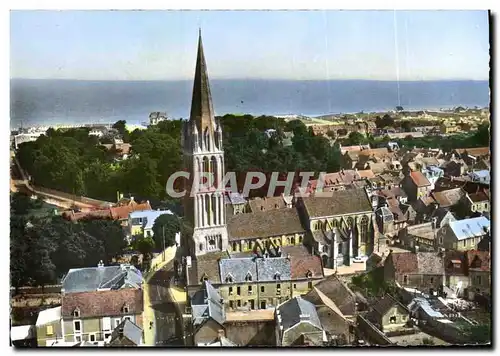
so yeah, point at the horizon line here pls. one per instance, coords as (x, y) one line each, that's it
(262, 79)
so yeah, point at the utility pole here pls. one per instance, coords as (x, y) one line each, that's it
(163, 229)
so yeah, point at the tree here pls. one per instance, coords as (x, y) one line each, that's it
(120, 126)
(330, 133)
(355, 138)
(342, 132)
(110, 233)
(145, 245)
(22, 204)
(406, 126)
(165, 226)
(399, 108)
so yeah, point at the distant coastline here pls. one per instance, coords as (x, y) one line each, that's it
(36, 102)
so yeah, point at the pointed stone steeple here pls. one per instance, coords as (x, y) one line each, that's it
(202, 113)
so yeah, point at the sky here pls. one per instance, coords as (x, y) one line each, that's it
(292, 45)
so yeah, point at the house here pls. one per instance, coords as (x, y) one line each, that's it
(333, 290)
(448, 198)
(385, 221)
(236, 202)
(432, 173)
(127, 333)
(482, 176)
(49, 326)
(442, 217)
(456, 267)
(340, 225)
(472, 155)
(295, 318)
(476, 202)
(455, 168)
(464, 234)
(101, 278)
(388, 314)
(92, 316)
(420, 237)
(416, 185)
(479, 264)
(208, 315)
(157, 117)
(420, 270)
(142, 222)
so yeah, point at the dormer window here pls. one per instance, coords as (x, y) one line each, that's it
(125, 309)
(76, 313)
(229, 278)
(277, 276)
(248, 277)
(309, 274)
(204, 277)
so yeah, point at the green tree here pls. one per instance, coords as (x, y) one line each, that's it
(164, 229)
(355, 138)
(22, 204)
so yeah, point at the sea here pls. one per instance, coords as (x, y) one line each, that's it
(50, 102)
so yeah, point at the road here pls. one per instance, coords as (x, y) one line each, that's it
(166, 327)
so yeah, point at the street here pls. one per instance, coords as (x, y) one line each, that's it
(166, 325)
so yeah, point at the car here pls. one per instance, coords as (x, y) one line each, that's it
(360, 259)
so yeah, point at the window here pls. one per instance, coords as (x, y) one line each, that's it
(125, 309)
(248, 277)
(117, 322)
(78, 338)
(76, 313)
(262, 304)
(478, 279)
(278, 288)
(249, 245)
(405, 279)
(231, 304)
(310, 285)
(234, 246)
(229, 279)
(127, 318)
(77, 326)
(277, 276)
(92, 337)
(50, 330)
(325, 249)
(300, 239)
(106, 335)
(295, 286)
(309, 274)
(200, 247)
(238, 302)
(432, 279)
(230, 290)
(464, 243)
(249, 289)
(262, 289)
(149, 233)
(238, 290)
(392, 320)
(293, 240)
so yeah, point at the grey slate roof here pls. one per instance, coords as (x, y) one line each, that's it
(267, 268)
(261, 269)
(130, 330)
(237, 269)
(94, 278)
(386, 214)
(292, 310)
(212, 306)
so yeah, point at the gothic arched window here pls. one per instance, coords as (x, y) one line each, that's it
(363, 227)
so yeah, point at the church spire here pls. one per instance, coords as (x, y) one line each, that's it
(202, 113)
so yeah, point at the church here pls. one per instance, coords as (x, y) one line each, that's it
(256, 260)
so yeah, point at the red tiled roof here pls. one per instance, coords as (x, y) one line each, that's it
(405, 262)
(419, 179)
(103, 303)
(476, 151)
(121, 212)
(95, 214)
(300, 265)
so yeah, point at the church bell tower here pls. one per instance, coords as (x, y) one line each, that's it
(202, 147)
